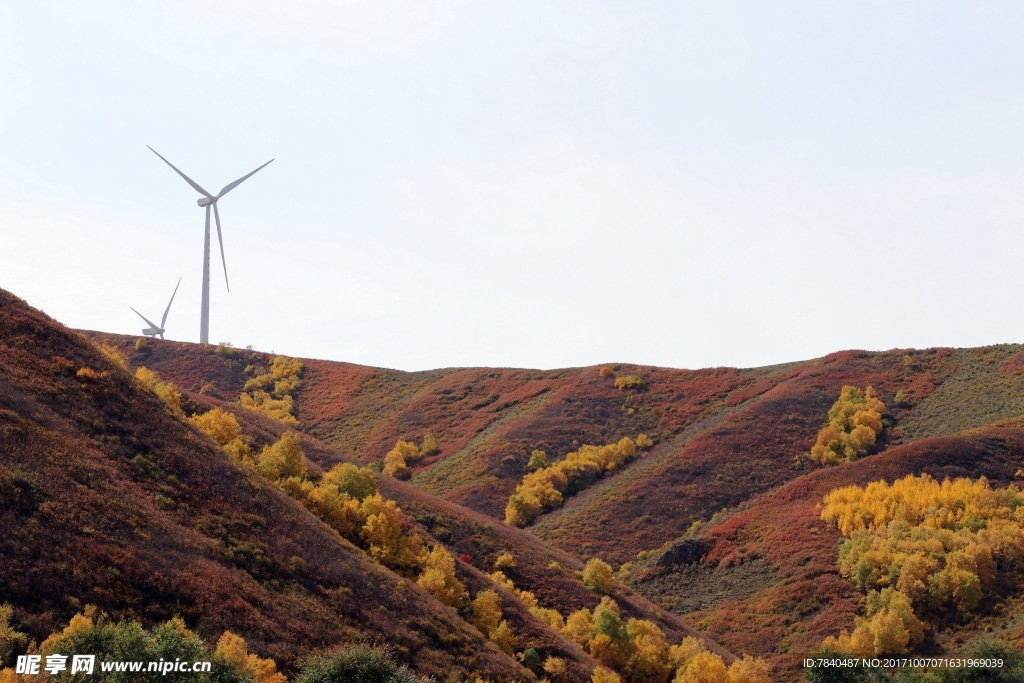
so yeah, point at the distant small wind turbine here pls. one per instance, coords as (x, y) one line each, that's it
(208, 200)
(153, 330)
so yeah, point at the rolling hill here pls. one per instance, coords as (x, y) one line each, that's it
(106, 498)
(758, 574)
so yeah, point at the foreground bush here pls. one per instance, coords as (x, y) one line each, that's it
(357, 664)
(91, 633)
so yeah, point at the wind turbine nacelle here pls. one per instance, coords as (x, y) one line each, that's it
(205, 201)
(152, 331)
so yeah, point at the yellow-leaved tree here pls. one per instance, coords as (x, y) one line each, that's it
(397, 460)
(223, 428)
(703, 667)
(236, 653)
(504, 637)
(282, 460)
(10, 639)
(854, 423)
(603, 675)
(384, 538)
(352, 480)
(598, 576)
(486, 611)
(438, 577)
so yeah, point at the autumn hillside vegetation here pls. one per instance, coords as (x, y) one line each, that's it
(271, 391)
(396, 462)
(719, 523)
(111, 497)
(546, 487)
(854, 424)
(923, 551)
(94, 633)
(631, 649)
(347, 500)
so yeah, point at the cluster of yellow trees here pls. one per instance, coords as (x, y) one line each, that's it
(91, 632)
(545, 488)
(921, 544)
(222, 427)
(854, 423)
(281, 462)
(346, 499)
(636, 650)
(271, 392)
(396, 462)
(486, 616)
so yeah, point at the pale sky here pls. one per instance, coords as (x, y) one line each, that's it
(536, 184)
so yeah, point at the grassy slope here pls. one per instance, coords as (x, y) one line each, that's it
(726, 460)
(486, 421)
(986, 386)
(106, 498)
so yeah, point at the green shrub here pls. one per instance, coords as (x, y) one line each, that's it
(538, 460)
(357, 664)
(128, 641)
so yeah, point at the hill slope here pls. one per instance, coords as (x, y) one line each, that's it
(107, 498)
(767, 579)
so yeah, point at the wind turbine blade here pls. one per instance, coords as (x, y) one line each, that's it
(228, 188)
(187, 179)
(216, 214)
(148, 321)
(168, 309)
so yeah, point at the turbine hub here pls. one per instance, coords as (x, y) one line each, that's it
(205, 201)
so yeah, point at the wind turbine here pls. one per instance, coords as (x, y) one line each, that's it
(208, 200)
(154, 329)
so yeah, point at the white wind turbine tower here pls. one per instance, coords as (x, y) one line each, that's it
(208, 200)
(153, 330)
